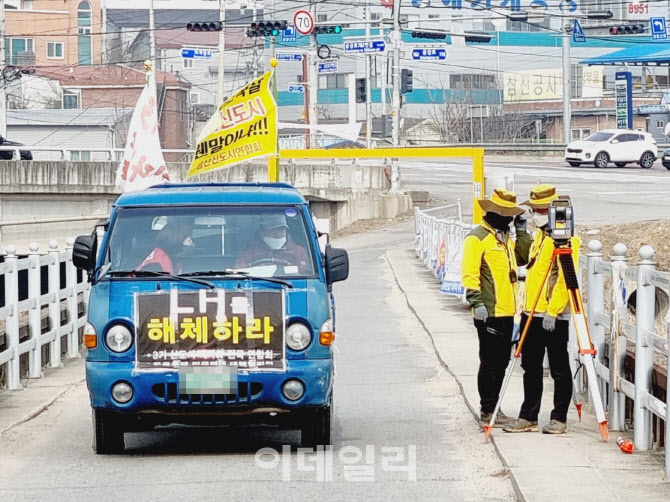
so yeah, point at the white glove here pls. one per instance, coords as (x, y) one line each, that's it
(549, 323)
(481, 313)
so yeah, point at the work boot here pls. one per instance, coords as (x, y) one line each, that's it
(501, 419)
(522, 425)
(555, 427)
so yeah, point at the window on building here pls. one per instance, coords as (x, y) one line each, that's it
(322, 18)
(579, 133)
(84, 30)
(27, 4)
(70, 100)
(375, 16)
(195, 98)
(55, 50)
(660, 124)
(21, 51)
(532, 25)
(472, 81)
(188, 63)
(79, 156)
(433, 16)
(334, 81)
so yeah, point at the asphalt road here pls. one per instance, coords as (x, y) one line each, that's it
(600, 196)
(390, 392)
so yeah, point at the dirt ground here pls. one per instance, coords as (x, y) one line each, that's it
(634, 235)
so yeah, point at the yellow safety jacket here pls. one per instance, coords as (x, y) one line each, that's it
(487, 268)
(553, 298)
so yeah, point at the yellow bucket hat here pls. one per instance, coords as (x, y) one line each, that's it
(502, 202)
(541, 197)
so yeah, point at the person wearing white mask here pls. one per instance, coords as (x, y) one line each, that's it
(273, 245)
(549, 327)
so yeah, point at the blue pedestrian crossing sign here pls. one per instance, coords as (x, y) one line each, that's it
(659, 30)
(578, 36)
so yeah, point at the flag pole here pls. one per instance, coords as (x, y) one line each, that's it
(273, 160)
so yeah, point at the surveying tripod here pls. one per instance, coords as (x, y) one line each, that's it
(561, 234)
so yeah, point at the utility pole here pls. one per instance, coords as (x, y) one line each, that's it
(368, 82)
(254, 58)
(222, 50)
(313, 78)
(103, 28)
(567, 87)
(383, 83)
(395, 169)
(273, 42)
(152, 36)
(3, 88)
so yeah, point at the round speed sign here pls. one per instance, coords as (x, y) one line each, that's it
(303, 22)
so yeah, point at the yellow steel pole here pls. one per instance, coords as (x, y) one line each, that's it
(478, 184)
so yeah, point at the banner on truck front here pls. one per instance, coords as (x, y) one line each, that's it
(243, 128)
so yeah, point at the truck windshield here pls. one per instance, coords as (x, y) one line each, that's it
(263, 241)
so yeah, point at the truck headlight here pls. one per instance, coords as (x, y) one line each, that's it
(298, 336)
(119, 338)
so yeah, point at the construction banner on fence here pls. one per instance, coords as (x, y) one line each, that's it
(244, 127)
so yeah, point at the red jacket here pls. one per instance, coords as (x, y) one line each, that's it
(290, 253)
(160, 257)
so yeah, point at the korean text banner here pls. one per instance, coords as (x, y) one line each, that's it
(241, 329)
(244, 127)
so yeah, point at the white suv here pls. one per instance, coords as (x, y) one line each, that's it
(621, 146)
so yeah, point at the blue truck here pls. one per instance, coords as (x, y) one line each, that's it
(210, 304)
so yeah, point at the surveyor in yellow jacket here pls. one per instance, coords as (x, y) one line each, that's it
(489, 275)
(549, 327)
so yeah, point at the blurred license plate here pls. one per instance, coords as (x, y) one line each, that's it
(207, 380)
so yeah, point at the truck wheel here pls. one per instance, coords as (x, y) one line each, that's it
(107, 433)
(317, 428)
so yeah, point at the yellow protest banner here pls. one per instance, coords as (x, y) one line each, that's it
(244, 127)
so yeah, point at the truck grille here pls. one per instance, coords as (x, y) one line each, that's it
(247, 392)
(574, 150)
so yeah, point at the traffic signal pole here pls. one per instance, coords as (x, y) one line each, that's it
(152, 36)
(567, 87)
(313, 79)
(395, 169)
(368, 82)
(222, 50)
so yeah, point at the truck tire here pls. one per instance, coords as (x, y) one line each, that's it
(107, 433)
(317, 428)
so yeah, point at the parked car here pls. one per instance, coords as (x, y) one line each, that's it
(9, 154)
(666, 159)
(620, 146)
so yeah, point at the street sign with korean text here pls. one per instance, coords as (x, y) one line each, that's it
(578, 33)
(287, 56)
(623, 92)
(296, 88)
(303, 22)
(329, 66)
(429, 54)
(365, 46)
(659, 30)
(288, 35)
(196, 53)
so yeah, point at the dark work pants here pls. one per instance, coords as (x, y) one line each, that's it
(495, 345)
(532, 355)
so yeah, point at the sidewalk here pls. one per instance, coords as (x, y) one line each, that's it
(572, 466)
(19, 406)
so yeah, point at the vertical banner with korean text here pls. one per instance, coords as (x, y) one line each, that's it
(244, 127)
(143, 164)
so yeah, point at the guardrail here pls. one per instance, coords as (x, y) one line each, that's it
(59, 292)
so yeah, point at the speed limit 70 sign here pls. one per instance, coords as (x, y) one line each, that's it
(303, 22)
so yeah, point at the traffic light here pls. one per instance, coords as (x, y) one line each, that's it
(406, 81)
(327, 30)
(477, 37)
(429, 34)
(266, 28)
(361, 94)
(208, 26)
(628, 29)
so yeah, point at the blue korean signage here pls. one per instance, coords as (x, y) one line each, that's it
(297, 88)
(511, 5)
(364, 47)
(578, 33)
(429, 54)
(285, 56)
(288, 35)
(623, 92)
(196, 53)
(659, 30)
(327, 66)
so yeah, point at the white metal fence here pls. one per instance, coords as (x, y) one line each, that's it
(24, 302)
(633, 397)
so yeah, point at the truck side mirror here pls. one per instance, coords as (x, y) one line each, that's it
(85, 252)
(337, 264)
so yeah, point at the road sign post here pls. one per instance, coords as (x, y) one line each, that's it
(429, 54)
(205, 54)
(365, 46)
(327, 66)
(659, 30)
(303, 22)
(288, 35)
(288, 56)
(296, 88)
(623, 91)
(578, 36)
